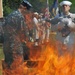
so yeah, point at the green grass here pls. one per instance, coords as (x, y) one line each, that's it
(1, 57)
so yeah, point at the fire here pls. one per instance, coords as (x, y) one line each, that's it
(50, 63)
(44, 60)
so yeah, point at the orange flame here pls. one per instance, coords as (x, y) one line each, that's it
(44, 60)
(50, 63)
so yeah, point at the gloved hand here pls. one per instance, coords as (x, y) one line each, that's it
(66, 21)
(69, 22)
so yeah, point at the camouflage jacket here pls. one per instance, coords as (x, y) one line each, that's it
(13, 28)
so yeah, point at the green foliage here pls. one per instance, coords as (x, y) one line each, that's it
(1, 57)
(7, 10)
(38, 5)
(10, 5)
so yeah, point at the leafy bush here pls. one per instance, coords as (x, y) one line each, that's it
(7, 10)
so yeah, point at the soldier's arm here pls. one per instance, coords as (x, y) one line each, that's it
(53, 20)
(71, 22)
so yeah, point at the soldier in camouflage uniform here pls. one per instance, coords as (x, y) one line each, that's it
(14, 28)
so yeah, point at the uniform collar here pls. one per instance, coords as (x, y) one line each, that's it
(66, 15)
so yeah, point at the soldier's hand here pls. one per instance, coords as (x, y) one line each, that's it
(65, 20)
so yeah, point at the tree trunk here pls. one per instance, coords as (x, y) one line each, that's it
(1, 9)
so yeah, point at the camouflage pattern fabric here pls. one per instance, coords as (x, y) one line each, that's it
(13, 28)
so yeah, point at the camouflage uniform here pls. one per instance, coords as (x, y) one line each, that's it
(13, 28)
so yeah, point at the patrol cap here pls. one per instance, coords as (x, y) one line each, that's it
(65, 3)
(25, 3)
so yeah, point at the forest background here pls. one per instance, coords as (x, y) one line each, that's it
(38, 5)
